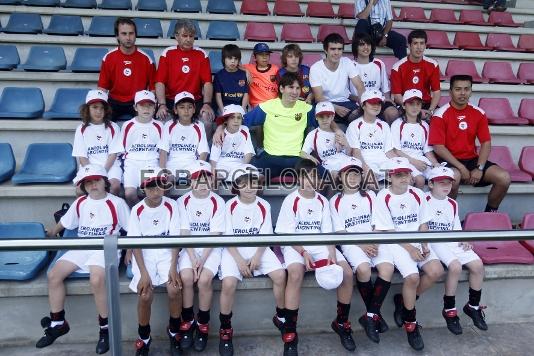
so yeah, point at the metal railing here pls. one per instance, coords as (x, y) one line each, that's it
(112, 243)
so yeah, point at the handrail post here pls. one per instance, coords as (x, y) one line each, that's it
(113, 292)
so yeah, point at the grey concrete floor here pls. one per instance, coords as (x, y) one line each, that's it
(501, 339)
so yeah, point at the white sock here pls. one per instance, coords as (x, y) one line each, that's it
(472, 306)
(370, 315)
(172, 334)
(283, 320)
(56, 323)
(146, 340)
(103, 326)
(446, 310)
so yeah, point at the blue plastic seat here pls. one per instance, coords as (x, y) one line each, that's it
(80, 4)
(222, 30)
(66, 103)
(76, 274)
(7, 162)
(116, 4)
(24, 23)
(150, 53)
(47, 163)
(102, 26)
(215, 58)
(148, 28)
(186, 6)
(40, 2)
(221, 7)
(88, 59)
(9, 57)
(9, 2)
(21, 103)
(172, 24)
(65, 25)
(45, 59)
(152, 5)
(23, 265)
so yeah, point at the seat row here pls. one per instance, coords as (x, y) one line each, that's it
(448, 16)
(472, 41)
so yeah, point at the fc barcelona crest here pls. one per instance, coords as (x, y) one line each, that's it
(241, 83)
(273, 78)
(298, 116)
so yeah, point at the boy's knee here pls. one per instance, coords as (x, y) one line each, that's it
(412, 280)
(363, 272)
(455, 268)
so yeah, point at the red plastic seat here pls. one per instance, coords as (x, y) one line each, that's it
(487, 221)
(500, 72)
(255, 7)
(470, 41)
(502, 156)
(501, 42)
(499, 112)
(463, 67)
(444, 100)
(287, 8)
(325, 30)
(443, 16)
(526, 42)
(296, 32)
(346, 11)
(413, 14)
(275, 58)
(526, 110)
(403, 31)
(526, 161)
(320, 9)
(502, 19)
(526, 72)
(438, 39)
(260, 31)
(310, 58)
(472, 17)
(528, 224)
(389, 61)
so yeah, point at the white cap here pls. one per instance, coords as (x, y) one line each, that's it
(372, 96)
(244, 170)
(328, 276)
(144, 96)
(233, 109)
(324, 107)
(151, 174)
(95, 95)
(396, 165)
(352, 163)
(411, 94)
(90, 172)
(440, 173)
(184, 95)
(198, 168)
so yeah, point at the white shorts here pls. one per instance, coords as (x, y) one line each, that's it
(374, 164)
(404, 262)
(212, 262)
(450, 251)
(317, 253)
(426, 172)
(132, 171)
(182, 169)
(115, 172)
(157, 264)
(355, 256)
(85, 259)
(268, 263)
(338, 161)
(228, 170)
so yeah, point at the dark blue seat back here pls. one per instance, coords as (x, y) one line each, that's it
(102, 26)
(45, 58)
(222, 30)
(88, 59)
(186, 6)
(66, 103)
(65, 25)
(148, 28)
(21, 103)
(9, 57)
(24, 23)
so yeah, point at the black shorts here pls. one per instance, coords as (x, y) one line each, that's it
(121, 111)
(471, 164)
(385, 105)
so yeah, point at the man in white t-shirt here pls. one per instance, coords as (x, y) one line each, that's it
(329, 79)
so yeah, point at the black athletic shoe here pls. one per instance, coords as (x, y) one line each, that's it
(479, 319)
(382, 325)
(200, 339)
(102, 346)
(176, 348)
(345, 334)
(370, 325)
(397, 314)
(278, 324)
(142, 349)
(453, 322)
(51, 334)
(187, 330)
(226, 348)
(414, 336)
(291, 341)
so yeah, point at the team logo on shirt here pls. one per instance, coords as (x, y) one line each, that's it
(403, 206)
(412, 135)
(127, 72)
(354, 206)
(247, 219)
(439, 212)
(234, 145)
(310, 211)
(99, 138)
(127, 62)
(462, 125)
(298, 116)
(185, 59)
(144, 136)
(273, 78)
(198, 213)
(306, 89)
(185, 69)
(155, 222)
(241, 83)
(91, 215)
(327, 140)
(415, 80)
(461, 117)
(182, 138)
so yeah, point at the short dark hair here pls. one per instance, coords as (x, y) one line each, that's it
(229, 51)
(124, 21)
(287, 79)
(460, 77)
(332, 38)
(305, 166)
(292, 47)
(417, 34)
(362, 37)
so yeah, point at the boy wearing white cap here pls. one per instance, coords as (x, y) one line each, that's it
(97, 139)
(140, 137)
(454, 254)
(305, 211)
(247, 214)
(401, 207)
(236, 151)
(96, 214)
(410, 137)
(204, 212)
(184, 140)
(156, 215)
(370, 137)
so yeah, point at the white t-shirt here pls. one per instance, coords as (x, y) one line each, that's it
(160, 221)
(404, 212)
(234, 148)
(248, 219)
(323, 143)
(97, 218)
(374, 140)
(299, 215)
(140, 140)
(374, 75)
(203, 215)
(97, 142)
(444, 213)
(335, 84)
(353, 212)
(183, 143)
(411, 138)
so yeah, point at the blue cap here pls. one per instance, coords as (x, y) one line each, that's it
(261, 48)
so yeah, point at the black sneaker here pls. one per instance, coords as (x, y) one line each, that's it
(370, 325)
(291, 341)
(479, 319)
(102, 346)
(397, 314)
(176, 348)
(200, 339)
(141, 349)
(51, 334)
(453, 322)
(414, 336)
(187, 328)
(226, 348)
(345, 334)
(278, 324)
(382, 325)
